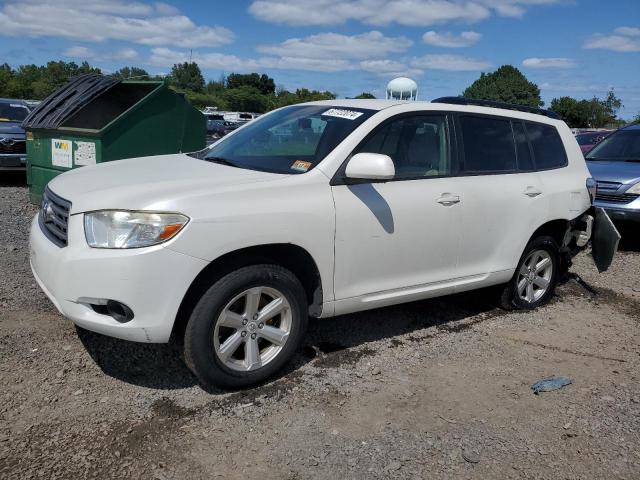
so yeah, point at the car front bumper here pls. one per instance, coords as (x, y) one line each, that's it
(13, 161)
(628, 212)
(151, 281)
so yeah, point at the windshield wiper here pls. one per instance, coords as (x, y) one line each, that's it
(221, 161)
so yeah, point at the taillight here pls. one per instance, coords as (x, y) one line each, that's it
(592, 187)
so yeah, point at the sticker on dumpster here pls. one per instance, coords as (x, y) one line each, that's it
(85, 153)
(61, 153)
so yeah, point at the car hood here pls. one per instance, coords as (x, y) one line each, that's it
(12, 129)
(164, 182)
(623, 172)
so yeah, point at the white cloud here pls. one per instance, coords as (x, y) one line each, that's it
(389, 68)
(98, 21)
(164, 57)
(333, 45)
(628, 31)
(385, 12)
(624, 39)
(79, 52)
(549, 62)
(450, 40)
(454, 63)
(85, 53)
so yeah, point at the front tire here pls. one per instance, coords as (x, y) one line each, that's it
(246, 326)
(536, 276)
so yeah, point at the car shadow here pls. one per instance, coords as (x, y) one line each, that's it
(630, 241)
(13, 179)
(329, 343)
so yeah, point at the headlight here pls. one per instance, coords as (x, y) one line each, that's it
(635, 189)
(118, 229)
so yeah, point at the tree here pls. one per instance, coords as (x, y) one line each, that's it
(365, 95)
(247, 99)
(187, 76)
(507, 84)
(132, 72)
(263, 83)
(593, 113)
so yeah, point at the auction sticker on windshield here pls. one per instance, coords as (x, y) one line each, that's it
(301, 165)
(61, 153)
(340, 113)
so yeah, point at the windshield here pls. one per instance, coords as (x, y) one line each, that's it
(588, 138)
(292, 140)
(621, 146)
(13, 112)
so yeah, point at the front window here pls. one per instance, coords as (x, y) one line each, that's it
(13, 112)
(416, 144)
(622, 146)
(292, 140)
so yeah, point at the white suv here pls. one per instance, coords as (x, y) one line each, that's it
(319, 209)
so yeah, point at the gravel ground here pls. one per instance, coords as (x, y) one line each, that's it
(437, 389)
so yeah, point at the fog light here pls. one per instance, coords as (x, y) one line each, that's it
(119, 311)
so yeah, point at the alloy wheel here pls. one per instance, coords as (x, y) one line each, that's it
(252, 328)
(534, 276)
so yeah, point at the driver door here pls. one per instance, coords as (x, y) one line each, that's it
(398, 241)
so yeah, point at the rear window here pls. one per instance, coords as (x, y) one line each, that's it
(488, 145)
(548, 149)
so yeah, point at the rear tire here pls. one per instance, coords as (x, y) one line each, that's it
(536, 276)
(246, 326)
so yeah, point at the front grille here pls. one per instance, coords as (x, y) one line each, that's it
(54, 217)
(607, 197)
(12, 146)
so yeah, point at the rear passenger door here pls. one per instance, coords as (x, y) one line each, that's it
(502, 196)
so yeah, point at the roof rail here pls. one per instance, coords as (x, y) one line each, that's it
(493, 104)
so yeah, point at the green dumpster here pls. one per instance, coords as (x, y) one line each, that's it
(95, 119)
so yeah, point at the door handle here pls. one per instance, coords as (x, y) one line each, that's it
(447, 199)
(532, 192)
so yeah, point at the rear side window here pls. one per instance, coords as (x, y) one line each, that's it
(488, 145)
(525, 161)
(548, 149)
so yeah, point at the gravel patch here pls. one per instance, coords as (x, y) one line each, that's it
(437, 389)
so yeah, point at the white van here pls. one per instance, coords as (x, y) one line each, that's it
(318, 209)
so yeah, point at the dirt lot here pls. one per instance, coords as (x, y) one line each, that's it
(433, 389)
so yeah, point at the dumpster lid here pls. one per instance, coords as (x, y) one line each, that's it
(66, 101)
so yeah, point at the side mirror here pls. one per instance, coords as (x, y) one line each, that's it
(370, 166)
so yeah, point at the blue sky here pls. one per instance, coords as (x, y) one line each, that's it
(579, 48)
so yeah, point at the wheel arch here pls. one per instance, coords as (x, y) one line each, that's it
(287, 255)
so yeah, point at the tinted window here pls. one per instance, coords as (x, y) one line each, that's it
(14, 112)
(623, 145)
(417, 145)
(488, 145)
(547, 146)
(525, 162)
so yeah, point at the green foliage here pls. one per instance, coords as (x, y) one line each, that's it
(36, 82)
(593, 113)
(132, 73)
(187, 76)
(507, 84)
(264, 84)
(366, 95)
(243, 92)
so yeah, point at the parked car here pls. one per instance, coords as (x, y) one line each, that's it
(588, 140)
(615, 164)
(13, 152)
(220, 128)
(378, 203)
